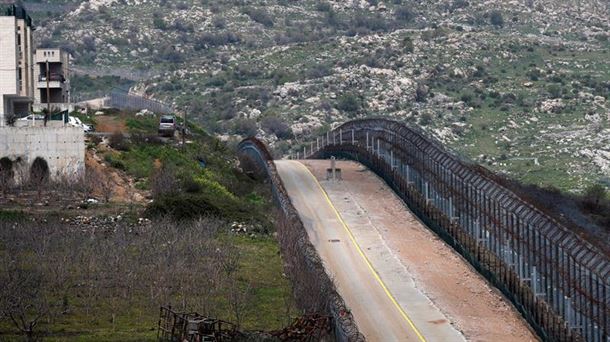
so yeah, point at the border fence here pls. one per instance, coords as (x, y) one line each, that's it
(557, 280)
(313, 289)
(123, 100)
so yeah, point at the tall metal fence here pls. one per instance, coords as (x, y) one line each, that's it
(558, 281)
(313, 288)
(122, 100)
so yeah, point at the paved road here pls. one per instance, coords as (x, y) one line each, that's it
(377, 313)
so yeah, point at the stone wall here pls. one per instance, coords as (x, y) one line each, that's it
(61, 148)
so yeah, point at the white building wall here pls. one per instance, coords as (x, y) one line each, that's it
(55, 55)
(63, 148)
(8, 62)
(31, 65)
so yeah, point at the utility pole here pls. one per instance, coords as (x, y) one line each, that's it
(48, 114)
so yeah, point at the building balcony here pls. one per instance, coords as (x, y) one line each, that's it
(53, 77)
(52, 85)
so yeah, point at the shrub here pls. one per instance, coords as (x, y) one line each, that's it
(158, 22)
(332, 19)
(369, 22)
(260, 16)
(425, 119)
(118, 141)
(181, 206)
(554, 90)
(349, 103)
(170, 54)
(190, 185)
(89, 44)
(216, 39)
(421, 93)
(496, 19)
(404, 14)
(323, 6)
(457, 4)
(408, 45)
(277, 126)
(534, 74)
(219, 23)
(10, 119)
(245, 127)
(115, 163)
(480, 72)
(163, 182)
(319, 70)
(467, 96)
(594, 197)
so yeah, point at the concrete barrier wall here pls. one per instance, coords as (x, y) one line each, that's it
(62, 148)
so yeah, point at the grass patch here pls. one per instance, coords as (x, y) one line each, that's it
(12, 215)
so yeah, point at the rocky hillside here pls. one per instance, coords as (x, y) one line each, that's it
(522, 86)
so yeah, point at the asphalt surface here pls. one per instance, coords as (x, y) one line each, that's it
(382, 313)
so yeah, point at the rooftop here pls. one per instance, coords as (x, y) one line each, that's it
(12, 10)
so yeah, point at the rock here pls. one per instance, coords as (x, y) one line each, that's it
(145, 112)
(552, 106)
(593, 117)
(457, 73)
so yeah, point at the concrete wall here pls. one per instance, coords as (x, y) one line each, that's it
(63, 148)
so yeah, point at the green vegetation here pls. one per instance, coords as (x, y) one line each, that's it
(12, 215)
(88, 87)
(349, 103)
(187, 181)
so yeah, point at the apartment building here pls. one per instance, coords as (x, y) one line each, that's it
(51, 73)
(16, 62)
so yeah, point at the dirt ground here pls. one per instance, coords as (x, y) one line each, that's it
(109, 124)
(475, 308)
(109, 180)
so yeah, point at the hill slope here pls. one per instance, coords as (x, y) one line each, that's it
(520, 86)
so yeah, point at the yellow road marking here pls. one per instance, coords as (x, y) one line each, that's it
(366, 260)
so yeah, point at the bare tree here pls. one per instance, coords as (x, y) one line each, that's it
(163, 181)
(23, 299)
(110, 265)
(99, 184)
